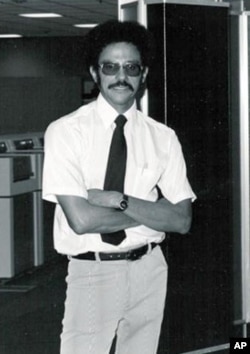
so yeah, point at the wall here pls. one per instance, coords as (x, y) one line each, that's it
(41, 79)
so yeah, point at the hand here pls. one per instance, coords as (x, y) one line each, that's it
(108, 199)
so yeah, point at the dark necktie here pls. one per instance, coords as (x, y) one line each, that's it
(115, 172)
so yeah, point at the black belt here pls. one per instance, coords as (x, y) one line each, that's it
(131, 255)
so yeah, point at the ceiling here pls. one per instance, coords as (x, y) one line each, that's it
(73, 12)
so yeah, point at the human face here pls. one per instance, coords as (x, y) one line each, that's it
(119, 89)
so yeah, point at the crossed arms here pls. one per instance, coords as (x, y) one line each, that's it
(99, 214)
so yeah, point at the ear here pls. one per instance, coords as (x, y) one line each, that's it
(93, 74)
(144, 74)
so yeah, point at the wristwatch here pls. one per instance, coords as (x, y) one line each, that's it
(123, 203)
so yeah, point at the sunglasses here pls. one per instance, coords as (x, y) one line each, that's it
(131, 69)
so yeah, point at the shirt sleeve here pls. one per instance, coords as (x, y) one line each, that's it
(174, 183)
(62, 173)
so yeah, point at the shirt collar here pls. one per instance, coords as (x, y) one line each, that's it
(108, 114)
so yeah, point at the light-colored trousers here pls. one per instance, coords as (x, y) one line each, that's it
(108, 298)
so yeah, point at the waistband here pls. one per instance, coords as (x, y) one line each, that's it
(131, 255)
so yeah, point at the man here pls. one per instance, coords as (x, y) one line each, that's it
(110, 224)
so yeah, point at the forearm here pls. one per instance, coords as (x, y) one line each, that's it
(104, 220)
(84, 217)
(160, 215)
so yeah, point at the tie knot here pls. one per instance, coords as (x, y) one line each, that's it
(121, 121)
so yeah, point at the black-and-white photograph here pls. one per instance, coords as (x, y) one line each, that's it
(124, 177)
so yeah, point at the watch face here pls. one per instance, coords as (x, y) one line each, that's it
(123, 204)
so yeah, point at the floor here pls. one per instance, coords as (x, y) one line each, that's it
(31, 309)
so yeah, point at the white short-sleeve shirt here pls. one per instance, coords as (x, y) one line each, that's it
(76, 154)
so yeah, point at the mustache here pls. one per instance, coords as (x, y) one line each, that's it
(121, 84)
